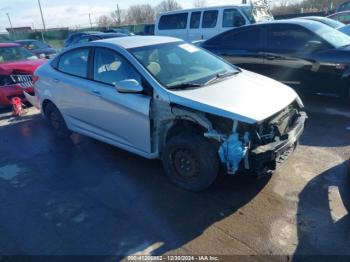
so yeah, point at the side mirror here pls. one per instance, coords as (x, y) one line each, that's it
(129, 86)
(314, 45)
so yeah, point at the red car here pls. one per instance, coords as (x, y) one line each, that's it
(17, 66)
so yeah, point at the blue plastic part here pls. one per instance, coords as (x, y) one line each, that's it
(232, 152)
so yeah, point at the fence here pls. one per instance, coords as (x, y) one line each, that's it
(56, 37)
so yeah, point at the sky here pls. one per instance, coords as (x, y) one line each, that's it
(71, 13)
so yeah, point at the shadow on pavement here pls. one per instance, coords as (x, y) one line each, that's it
(323, 216)
(83, 197)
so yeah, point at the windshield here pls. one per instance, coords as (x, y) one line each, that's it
(331, 35)
(33, 45)
(15, 53)
(181, 64)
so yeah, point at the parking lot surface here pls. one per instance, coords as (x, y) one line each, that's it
(83, 197)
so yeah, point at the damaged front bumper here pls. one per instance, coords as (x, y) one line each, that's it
(266, 158)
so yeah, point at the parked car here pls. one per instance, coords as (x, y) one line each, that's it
(343, 17)
(307, 55)
(343, 7)
(119, 30)
(161, 97)
(74, 36)
(17, 65)
(327, 21)
(204, 23)
(40, 49)
(83, 38)
(147, 30)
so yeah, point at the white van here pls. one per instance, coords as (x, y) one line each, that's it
(204, 23)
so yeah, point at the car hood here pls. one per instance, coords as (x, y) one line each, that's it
(25, 66)
(246, 97)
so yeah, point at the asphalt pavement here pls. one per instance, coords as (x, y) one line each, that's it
(83, 197)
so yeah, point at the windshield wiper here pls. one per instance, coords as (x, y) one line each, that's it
(185, 85)
(221, 75)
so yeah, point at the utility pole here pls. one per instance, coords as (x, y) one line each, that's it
(90, 20)
(42, 17)
(244, 1)
(13, 31)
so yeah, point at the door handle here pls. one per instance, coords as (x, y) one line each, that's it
(270, 57)
(56, 80)
(96, 92)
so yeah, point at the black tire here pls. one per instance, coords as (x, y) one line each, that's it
(191, 162)
(56, 121)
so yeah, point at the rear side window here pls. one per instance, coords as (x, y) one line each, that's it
(250, 39)
(286, 39)
(210, 19)
(74, 62)
(195, 19)
(175, 21)
(232, 18)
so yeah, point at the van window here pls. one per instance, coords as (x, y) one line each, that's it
(210, 19)
(232, 18)
(175, 21)
(195, 19)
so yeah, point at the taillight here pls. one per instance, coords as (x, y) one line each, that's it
(35, 79)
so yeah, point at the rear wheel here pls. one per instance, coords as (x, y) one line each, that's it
(56, 121)
(191, 162)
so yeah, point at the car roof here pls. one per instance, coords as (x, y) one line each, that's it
(107, 34)
(139, 41)
(8, 44)
(204, 8)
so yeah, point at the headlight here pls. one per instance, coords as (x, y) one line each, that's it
(6, 80)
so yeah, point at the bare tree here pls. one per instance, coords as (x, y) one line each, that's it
(168, 5)
(140, 14)
(104, 21)
(200, 3)
(118, 16)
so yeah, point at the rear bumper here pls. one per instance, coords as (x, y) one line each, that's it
(268, 157)
(8, 92)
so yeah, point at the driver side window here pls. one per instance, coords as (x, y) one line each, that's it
(111, 68)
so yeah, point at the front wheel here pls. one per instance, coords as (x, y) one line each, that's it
(191, 162)
(56, 121)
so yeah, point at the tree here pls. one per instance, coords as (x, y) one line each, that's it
(168, 5)
(140, 14)
(118, 16)
(104, 21)
(200, 3)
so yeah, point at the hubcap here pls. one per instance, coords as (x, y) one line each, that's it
(185, 163)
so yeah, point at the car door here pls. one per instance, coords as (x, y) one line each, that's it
(194, 31)
(69, 86)
(232, 18)
(241, 47)
(173, 25)
(286, 57)
(210, 25)
(117, 117)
